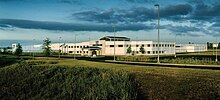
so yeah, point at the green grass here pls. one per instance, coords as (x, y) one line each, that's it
(24, 81)
(151, 82)
(164, 82)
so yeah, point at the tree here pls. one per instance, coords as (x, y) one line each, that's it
(142, 50)
(46, 47)
(218, 45)
(129, 50)
(209, 45)
(18, 50)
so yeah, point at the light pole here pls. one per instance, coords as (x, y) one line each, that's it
(75, 48)
(59, 46)
(158, 41)
(216, 59)
(175, 46)
(114, 42)
(33, 47)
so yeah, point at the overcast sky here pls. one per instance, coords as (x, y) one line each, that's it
(195, 21)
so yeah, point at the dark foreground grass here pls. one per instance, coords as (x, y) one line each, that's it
(24, 81)
(80, 79)
(164, 82)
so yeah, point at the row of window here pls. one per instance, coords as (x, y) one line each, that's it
(79, 52)
(77, 46)
(83, 46)
(150, 52)
(148, 45)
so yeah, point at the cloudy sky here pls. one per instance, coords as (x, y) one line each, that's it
(195, 21)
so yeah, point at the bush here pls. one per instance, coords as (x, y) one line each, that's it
(23, 81)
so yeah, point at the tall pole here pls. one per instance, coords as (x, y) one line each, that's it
(114, 42)
(33, 47)
(59, 46)
(175, 46)
(158, 41)
(216, 59)
(75, 48)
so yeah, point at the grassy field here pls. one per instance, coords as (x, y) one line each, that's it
(199, 58)
(27, 81)
(152, 82)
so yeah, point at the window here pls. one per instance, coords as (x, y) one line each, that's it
(148, 52)
(120, 45)
(77, 52)
(127, 45)
(111, 45)
(156, 52)
(159, 45)
(74, 46)
(70, 51)
(165, 45)
(137, 45)
(156, 45)
(84, 52)
(153, 45)
(142, 45)
(80, 46)
(77, 46)
(153, 52)
(71, 46)
(148, 45)
(162, 45)
(137, 52)
(87, 51)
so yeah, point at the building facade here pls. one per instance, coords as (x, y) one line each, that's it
(107, 46)
(191, 48)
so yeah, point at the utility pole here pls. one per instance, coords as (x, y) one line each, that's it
(175, 46)
(114, 42)
(33, 47)
(216, 59)
(158, 44)
(75, 48)
(59, 46)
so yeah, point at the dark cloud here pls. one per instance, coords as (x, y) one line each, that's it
(137, 14)
(184, 30)
(204, 12)
(9, 0)
(28, 24)
(176, 10)
(78, 2)
(139, 1)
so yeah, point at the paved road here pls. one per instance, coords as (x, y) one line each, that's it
(214, 67)
(108, 59)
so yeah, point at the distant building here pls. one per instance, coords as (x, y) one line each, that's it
(105, 46)
(191, 48)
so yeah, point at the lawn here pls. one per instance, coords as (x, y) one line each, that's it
(153, 82)
(163, 82)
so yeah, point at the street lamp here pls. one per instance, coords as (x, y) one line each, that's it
(158, 41)
(33, 47)
(216, 59)
(175, 46)
(75, 48)
(59, 46)
(114, 41)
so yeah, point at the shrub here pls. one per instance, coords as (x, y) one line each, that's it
(23, 81)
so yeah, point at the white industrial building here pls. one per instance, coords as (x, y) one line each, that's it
(191, 48)
(105, 46)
